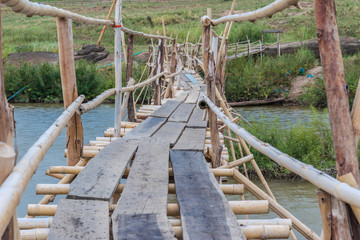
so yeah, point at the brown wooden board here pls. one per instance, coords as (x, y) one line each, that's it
(166, 110)
(80, 219)
(146, 129)
(101, 176)
(205, 212)
(192, 139)
(170, 131)
(193, 95)
(141, 209)
(182, 113)
(196, 119)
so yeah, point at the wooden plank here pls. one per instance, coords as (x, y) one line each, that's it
(192, 139)
(146, 129)
(170, 131)
(80, 219)
(182, 113)
(141, 211)
(182, 96)
(102, 174)
(196, 119)
(205, 212)
(166, 110)
(191, 78)
(194, 95)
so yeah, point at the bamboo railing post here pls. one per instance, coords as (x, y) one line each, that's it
(208, 61)
(159, 69)
(170, 90)
(118, 77)
(337, 100)
(7, 153)
(129, 70)
(325, 212)
(74, 129)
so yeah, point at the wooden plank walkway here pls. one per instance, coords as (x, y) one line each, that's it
(171, 131)
(141, 211)
(166, 110)
(102, 174)
(205, 212)
(192, 139)
(182, 113)
(196, 119)
(81, 219)
(146, 129)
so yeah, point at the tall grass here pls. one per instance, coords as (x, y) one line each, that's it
(254, 79)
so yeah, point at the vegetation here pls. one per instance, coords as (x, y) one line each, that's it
(310, 143)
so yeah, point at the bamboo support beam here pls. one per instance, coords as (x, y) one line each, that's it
(63, 189)
(237, 162)
(74, 129)
(238, 207)
(14, 186)
(77, 170)
(29, 223)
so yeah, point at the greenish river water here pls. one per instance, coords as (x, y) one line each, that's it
(33, 119)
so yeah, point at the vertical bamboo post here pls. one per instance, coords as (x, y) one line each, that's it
(338, 104)
(159, 69)
(278, 44)
(129, 70)
(74, 129)
(117, 60)
(7, 153)
(208, 61)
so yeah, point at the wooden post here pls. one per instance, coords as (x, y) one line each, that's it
(74, 129)
(129, 70)
(223, 70)
(325, 211)
(209, 71)
(159, 69)
(117, 60)
(338, 104)
(209, 14)
(173, 69)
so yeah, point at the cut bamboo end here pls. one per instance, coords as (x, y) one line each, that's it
(29, 223)
(34, 234)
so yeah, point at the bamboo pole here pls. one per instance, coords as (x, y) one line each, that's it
(341, 191)
(238, 207)
(238, 162)
(124, 46)
(208, 61)
(14, 186)
(129, 70)
(104, 28)
(338, 104)
(170, 92)
(61, 189)
(126, 101)
(159, 68)
(118, 74)
(276, 207)
(166, 50)
(29, 223)
(74, 129)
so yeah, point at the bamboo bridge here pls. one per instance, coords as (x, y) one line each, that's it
(160, 172)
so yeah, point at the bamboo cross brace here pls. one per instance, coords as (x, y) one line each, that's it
(107, 18)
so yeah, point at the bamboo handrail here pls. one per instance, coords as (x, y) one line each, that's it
(14, 186)
(145, 35)
(31, 8)
(266, 11)
(341, 191)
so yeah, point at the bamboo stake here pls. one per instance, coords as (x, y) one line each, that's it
(107, 18)
(118, 80)
(74, 130)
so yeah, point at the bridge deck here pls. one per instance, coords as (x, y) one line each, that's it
(141, 210)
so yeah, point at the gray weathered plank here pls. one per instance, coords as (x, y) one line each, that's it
(166, 110)
(205, 212)
(141, 209)
(193, 95)
(196, 119)
(146, 129)
(102, 174)
(182, 96)
(182, 113)
(192, 139)
(80, 219)
(170, 131)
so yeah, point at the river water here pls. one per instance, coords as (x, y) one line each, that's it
(33, 119)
